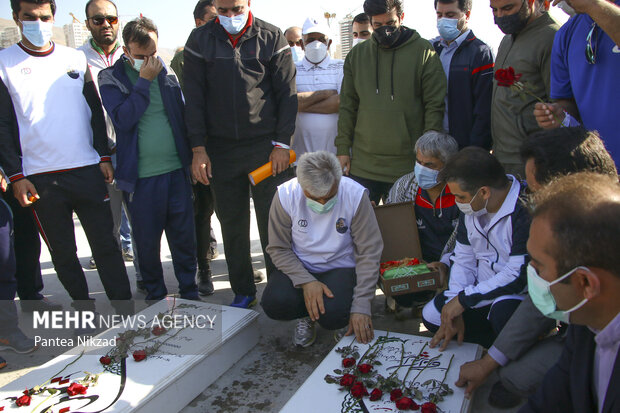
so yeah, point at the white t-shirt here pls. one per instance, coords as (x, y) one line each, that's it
(52, 113)
(316, 131)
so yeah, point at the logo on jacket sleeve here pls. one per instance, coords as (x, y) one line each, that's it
(341, 226)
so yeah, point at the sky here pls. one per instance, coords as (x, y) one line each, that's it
(175, 22)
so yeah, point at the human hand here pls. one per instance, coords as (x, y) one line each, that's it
(3, 183)
(447, 331)
(313, 297)
(361, 326)
(201, 165)
(442, 269)
(108, 171)
(151, 68)
(345, 162)
(475, 373)
(280, 159)
(451, 310)
(25, 192)
(549, 115)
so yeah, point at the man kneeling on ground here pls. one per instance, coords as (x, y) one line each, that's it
(486, 284)
(325, 241)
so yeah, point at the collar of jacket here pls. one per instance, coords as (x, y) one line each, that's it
(510, 203)
(248, 31)
(544, 19)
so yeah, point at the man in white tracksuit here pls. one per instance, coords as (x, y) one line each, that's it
(486, 281)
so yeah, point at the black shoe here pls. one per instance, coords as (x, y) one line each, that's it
(258, 276)
(502, 398)
(140, 286)
(18, 342)
(92, 264)
(213, 252)
(39, 305)
(205, 284)
(2, 363)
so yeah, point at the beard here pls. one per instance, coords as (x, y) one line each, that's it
(104, 40)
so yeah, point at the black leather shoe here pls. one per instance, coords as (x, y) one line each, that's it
(205, 284)
(39, 305)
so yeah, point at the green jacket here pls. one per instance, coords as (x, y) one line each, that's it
(177, 66)
(512, 113)
(389, 98)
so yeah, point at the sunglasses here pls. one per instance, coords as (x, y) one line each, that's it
(591, 46)
(98, 20)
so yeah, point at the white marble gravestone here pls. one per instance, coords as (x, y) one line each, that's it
(165, 382)
(316, 395)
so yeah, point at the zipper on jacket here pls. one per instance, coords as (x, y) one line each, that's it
(234, 85)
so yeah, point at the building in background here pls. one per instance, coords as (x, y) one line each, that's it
(76, 34)
(9, 36)
(346, 35)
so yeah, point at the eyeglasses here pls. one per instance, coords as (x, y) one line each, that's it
(591, 46)
(98, 20)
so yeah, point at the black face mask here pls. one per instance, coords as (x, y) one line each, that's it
(387, 36)
(514, 23)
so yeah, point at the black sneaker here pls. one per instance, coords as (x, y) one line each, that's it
(39, 305)
(258, 276)
(502, 398)
(140, 286)
(205, 284)
(18, 342)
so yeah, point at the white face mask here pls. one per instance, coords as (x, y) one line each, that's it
(37, 32)
(235, 24)
(298, 53)
(468, 210)
(316, 52)
(358, 41)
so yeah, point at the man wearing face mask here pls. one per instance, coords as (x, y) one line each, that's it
(486, 284)
(293, 37)
(145, 104)
(392, 93)
(468, 64)
(319, 78)
(326, 245)
(585, 64)
(530, 31)
(54, 149)
(362, 29)
(435, 209)
(574, 277)
(241, 106)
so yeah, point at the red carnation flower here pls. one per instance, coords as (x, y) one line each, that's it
(139, 355)
(158, 331)
(506, 77)
(348, 362)
(23, 400)
(358, 390)
(429, 408)
(396, 394)
(347, 380)
(105, 360)
(406, 403)
(375, 395)
(76, 388)
(364, 368)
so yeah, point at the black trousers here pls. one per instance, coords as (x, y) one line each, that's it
(27, 250)
(377, 190)
(84, 192)
(282, 301)
(204, 205)
(8, 285)
(231, 187)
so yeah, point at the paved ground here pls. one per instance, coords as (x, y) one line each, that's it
(262, 381)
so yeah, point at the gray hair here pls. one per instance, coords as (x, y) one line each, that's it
(318, 172)
(438, 145)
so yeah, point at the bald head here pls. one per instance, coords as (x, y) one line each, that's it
(293, 36)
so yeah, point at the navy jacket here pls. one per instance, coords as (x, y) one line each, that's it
(567, 387)
(126, 103)
(470, 88)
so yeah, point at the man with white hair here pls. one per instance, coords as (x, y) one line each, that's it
(319, 78)
(324, 241)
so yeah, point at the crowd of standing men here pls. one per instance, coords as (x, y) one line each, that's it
(109, 129)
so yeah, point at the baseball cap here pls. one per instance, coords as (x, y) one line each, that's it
(313, 25)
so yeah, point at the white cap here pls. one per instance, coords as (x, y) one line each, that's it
(313, 25)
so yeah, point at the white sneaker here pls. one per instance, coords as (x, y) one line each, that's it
(305, 333)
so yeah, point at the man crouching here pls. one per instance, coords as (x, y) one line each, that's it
(324, 240)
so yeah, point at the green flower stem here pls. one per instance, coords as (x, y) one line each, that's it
(39, 405)
(434, 400)
(521, 87)
(412, 364)
(425, 367)
(402, 359)
(63, 369)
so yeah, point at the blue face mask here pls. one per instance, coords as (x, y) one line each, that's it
(235, 24)
(37, 32)
(426, 177)
(448, 29)
(319, 208)
(540, 292)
